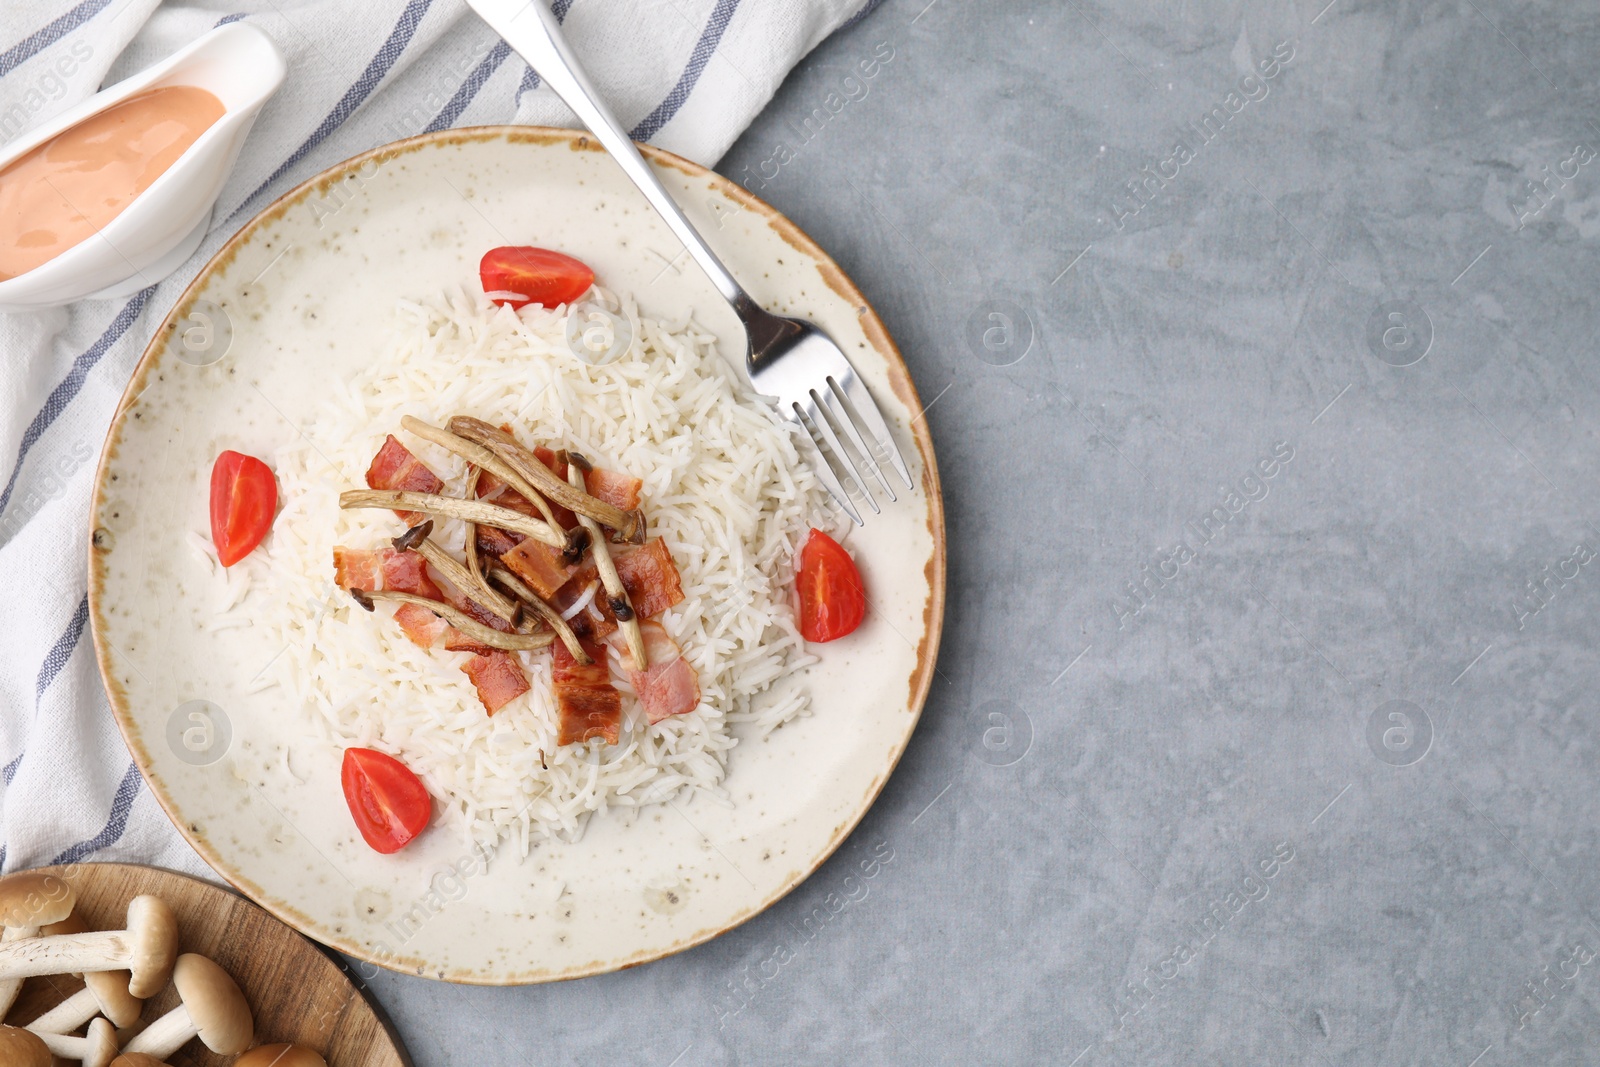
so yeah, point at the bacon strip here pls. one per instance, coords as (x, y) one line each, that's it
(540, 566)
(650, 577)
(669, 686)
(498, 677)
(587, 704)
(394, 467)
(402, 572)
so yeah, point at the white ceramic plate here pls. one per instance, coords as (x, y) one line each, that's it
(306, 290)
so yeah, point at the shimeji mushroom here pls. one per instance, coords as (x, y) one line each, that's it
(28, 902)
(97, 1049)
(18, 1048)
(280, 1056)
(136, 1059)
(146, 949)
(104, 993)
(211, 1008)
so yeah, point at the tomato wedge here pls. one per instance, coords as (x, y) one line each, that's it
(244, 497)
(833, 600)
(390, 804)
(537, 275)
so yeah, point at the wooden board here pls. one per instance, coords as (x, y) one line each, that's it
(295, 987)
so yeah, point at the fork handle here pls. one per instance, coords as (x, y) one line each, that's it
(532, 31)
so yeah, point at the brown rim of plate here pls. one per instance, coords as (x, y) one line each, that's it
(900, 381)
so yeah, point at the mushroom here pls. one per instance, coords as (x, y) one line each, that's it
(28, 902)
(136, 1059)
(146, 949)
(481, 458)
(630, 525)
(499, 572)
(211, 1008)
(450, 507)
(280, 1056)
(483, 635)
(19, 1048)
(104, 993)
(457, 574)
(616, 595)
(97, 1049)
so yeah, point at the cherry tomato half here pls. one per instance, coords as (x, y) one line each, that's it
(833, 600)
(538, 274)
(244, 497)
(390, 804)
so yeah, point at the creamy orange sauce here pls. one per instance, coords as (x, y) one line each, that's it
(68, 188)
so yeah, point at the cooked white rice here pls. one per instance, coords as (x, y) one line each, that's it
(723, 483)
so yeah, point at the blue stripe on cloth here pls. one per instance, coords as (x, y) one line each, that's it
(10, 770)
(2, 858)
(61, 651)
(116, 822)
(381, 63)
(64, 392)
(710, 37)
(39, 40)
(530, 81)
(469, 88)
(530, 77)
(235, 17)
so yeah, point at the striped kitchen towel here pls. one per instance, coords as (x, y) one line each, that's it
(687, 75)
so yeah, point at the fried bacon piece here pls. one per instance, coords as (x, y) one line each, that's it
(401, 572)
(541, 566)
(394, 467)
(498, 677)
(650, 577)
(587, 704)
(669, 686)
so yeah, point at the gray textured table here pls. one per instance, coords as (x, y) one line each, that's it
(1257, 351)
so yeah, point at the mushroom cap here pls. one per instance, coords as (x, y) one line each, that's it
(281, 1056)
(153, 932)
(102, 1038)
(32, 899)
(215, 1005)
(23, 1048)
(72, 924)
(111, 993)
(136, 1059)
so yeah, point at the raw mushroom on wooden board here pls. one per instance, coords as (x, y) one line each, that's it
(29, 901)
(295, 992)
(19, 1048)
(212, 1009)
(97, 1048)
(147, 949)
(280, 1056)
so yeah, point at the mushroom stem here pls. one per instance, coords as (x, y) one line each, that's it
(147, 949)
(97, 1049)
(482, 458)
(474, 629)
(166, 1035)
(105, 950)
(210, 1007)
(549, 614)
(104, 992)
(68, 1015)
(450, 507)
(630, 525)
(469, 547)
(616, 595)
(471, 586)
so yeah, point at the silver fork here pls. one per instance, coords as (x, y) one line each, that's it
(790, 359)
